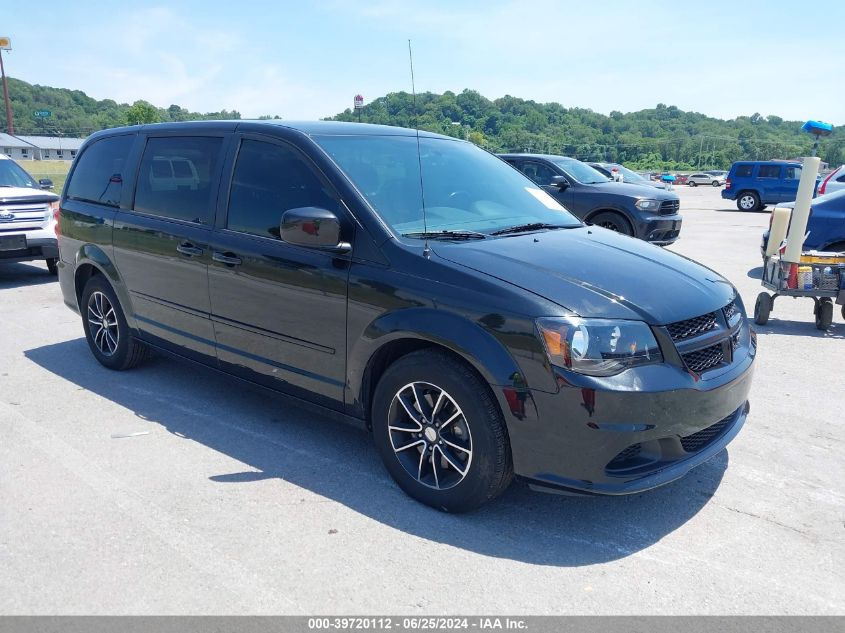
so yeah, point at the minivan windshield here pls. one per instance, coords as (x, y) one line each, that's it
(13, 175)
(465, 188)
(581, 172)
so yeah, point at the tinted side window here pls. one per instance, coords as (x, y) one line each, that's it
(539, 173)
(769, 171)
(269, 179)
(793, 173)
(176, 178)
(98, 177)
(743, 171)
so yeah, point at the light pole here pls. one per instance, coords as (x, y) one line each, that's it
(6, 45)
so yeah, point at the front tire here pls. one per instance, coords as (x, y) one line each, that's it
(691, 183)
(824, 313)
(440, 433)
(716, 183)
(612, 221)
(105, 327)
(762, 308)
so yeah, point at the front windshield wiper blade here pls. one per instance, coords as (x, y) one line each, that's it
(448, 235)
(533, 226)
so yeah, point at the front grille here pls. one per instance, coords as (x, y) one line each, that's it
(705, 437)
(670, 207)
(22, 214)
(692, 327)
(730, 310)
(703, 359)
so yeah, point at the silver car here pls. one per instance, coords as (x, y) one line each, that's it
(693, 180)
(834, 181)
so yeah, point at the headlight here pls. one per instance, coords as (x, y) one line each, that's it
(645, 204)
(598, 347)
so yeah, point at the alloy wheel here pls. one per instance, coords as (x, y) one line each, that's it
(102, 322)
(747, 202)
(430, 435)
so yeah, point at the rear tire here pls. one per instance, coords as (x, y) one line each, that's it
(453, 457)
(691, 183)
(716, 183)
(52, 265)
(612, 221)
(748, 201)
(762, 308)
(106, 329)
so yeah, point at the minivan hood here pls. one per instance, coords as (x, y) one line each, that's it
(594, 272)
(632, 189)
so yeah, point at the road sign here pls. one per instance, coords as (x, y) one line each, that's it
(41, 114)
(359, 102)
(5, 43)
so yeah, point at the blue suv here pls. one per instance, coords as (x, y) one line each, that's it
(754, 184)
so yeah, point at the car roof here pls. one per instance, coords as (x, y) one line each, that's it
(767, 162)
(310, 128)
(526, 155)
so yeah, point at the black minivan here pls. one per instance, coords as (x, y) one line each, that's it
(413, 284)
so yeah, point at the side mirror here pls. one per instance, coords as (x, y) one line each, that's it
(560, 182)
(45, 183)
(313, 228)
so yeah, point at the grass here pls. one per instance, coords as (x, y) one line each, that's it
(55, 170)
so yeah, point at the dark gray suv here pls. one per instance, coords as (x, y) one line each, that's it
(641, 211)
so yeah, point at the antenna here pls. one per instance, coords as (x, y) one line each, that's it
(426, 249)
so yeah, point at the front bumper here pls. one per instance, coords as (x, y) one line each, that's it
(661, 229)
(596, 437)
(36, 248)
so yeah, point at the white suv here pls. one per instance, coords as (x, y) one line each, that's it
(27, 217)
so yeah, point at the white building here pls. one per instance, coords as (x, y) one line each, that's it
(15, 148)
(53, 147)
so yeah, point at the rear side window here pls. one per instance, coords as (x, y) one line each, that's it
(98, 176)
(269, 179)
(793, 173)
(769, 171)
(743, 171)
(176, 177)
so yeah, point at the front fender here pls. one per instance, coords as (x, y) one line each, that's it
(466, 338)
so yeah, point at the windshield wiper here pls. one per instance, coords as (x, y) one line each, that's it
(448, 235)
(533, 226)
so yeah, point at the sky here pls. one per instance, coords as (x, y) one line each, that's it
(308, 59)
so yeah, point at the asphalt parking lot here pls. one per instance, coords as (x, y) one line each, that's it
(229, 501)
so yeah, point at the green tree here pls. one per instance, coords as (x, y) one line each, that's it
(142, 112)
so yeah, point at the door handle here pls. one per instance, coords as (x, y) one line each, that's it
(226, 258)
(186, 248)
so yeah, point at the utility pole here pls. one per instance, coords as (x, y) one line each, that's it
(5, 44)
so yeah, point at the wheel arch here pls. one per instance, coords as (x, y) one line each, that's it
(397, 334)
(615, 210)
(92, 260)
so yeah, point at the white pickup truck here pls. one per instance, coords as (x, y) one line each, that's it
(27, 217)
